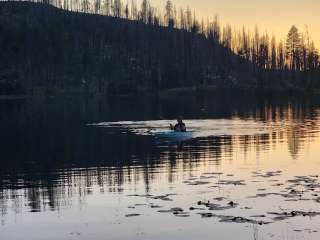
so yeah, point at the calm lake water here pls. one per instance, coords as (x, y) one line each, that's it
(93, 168)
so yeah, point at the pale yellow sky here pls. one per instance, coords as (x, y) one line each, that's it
(274, 16)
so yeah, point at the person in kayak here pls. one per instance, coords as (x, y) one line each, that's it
(180, 126)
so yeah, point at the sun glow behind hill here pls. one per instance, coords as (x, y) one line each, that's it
(275, 17)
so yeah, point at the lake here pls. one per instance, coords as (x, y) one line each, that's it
(98, 168)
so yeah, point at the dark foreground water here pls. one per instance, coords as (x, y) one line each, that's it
(92, 168)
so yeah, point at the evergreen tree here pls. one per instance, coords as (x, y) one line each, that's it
(293, 45)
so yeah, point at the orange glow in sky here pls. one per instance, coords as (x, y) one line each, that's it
(273, 16)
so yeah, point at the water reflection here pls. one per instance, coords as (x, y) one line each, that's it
(49, 156)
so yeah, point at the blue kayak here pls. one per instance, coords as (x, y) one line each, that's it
(175, 136)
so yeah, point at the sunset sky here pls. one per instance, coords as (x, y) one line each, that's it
(275, 16)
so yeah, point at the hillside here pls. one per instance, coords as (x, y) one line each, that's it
(44, 48)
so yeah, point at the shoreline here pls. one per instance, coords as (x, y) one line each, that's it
(13, 97)
(175, 92)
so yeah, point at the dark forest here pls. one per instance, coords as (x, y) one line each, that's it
(115, 48)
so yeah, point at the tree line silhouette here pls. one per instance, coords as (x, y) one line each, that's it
(120, 46)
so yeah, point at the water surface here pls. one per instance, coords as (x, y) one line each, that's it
(95, 168)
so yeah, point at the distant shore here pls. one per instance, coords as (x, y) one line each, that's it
(173, 92)
(13, 97)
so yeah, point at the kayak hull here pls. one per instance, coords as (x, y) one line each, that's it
(175, 136)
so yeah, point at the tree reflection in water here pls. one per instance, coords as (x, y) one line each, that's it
(49, 156)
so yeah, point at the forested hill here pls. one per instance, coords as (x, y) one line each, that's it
(47, 48)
